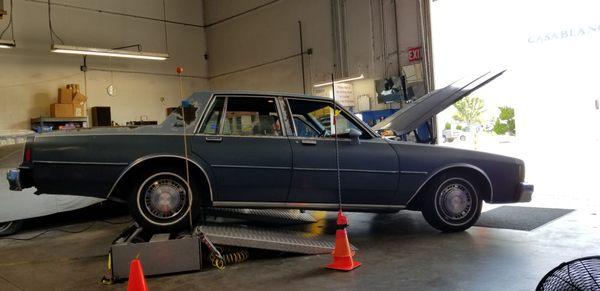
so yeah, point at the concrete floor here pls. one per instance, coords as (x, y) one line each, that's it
(398, 251)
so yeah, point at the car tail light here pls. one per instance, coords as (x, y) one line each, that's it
(27, 157)
(27, 151)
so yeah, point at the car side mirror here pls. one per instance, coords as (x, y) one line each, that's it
(354, 135)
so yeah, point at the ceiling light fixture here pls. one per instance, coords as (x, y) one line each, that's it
(340, 81)
(88, 51)
(7, 44)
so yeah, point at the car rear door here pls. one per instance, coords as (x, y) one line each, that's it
(248, 152)
(368, 170)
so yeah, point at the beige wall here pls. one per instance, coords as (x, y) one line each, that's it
(30, 74)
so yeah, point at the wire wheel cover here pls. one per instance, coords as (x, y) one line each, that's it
(455, 201)
(165, 198)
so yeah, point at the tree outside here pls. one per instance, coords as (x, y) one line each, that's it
(505, 123)
(469, 110)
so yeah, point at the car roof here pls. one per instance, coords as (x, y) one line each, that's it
(248, 93)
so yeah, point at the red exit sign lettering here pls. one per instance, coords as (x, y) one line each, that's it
(414, 54)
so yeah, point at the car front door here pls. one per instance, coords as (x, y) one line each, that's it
(242, 140)
(368, 170)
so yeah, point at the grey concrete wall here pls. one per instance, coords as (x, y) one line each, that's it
(30, 74)
(271, 32)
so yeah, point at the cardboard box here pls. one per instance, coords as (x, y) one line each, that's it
(61, 110)
(74, 88)
(65, 95)
(79, 99)
(79, 110)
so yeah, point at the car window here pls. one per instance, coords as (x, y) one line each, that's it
(213, 120)
(320, 115)
(303, 128)
(251, 116)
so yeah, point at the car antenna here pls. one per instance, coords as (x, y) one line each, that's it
(337, 153)
(342, 253)
(185, 149)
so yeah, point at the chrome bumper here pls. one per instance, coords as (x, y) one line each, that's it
(525, 192)
(14, 179)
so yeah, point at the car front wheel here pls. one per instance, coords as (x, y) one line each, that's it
(163, 200)
(453, 203)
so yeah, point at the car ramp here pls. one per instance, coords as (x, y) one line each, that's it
(225, 235)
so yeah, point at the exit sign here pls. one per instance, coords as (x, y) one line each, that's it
(414, 54)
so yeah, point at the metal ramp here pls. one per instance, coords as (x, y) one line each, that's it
(274, 239)
(271, 216)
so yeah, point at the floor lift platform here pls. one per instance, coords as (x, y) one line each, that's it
(267, 229)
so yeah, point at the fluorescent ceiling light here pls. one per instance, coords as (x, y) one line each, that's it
(7, 44)
(341, 81)
(88, 51)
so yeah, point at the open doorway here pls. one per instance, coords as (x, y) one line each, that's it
(544, 110)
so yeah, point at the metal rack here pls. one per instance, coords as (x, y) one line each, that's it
(56, 121)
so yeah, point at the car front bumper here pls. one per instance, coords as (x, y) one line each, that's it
(525, 192)
(19, 179)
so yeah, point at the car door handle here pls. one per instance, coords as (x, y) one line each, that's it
(213, 139)
(309, 142)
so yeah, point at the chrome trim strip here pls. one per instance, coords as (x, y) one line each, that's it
(372, 140)
(280, 116)
(369, 171)
(289, 110)
(244, 136)
(204, 113)
(347, 170)
(413, 173)
(300, 205)
(454, 166)
(314, 169)
(145, 158)
(223, 114)
(251, 167)
(112, 134)
(80, 163)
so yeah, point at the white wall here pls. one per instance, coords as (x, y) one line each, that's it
(30, 74)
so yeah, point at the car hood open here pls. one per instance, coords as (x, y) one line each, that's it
(414, 114)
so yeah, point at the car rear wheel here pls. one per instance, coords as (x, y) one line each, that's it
(10, 227)
(453, 203)
(162, 200)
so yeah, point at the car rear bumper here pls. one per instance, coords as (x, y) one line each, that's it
(19, 179)
(525, 192)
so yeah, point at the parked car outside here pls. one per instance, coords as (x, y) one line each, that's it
(245, 150)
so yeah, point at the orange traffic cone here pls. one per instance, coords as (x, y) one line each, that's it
(342, 254)
(137, 282)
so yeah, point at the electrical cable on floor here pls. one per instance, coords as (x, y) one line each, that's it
(117, 222)
(65, 230)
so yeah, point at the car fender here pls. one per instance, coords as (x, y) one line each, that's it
(453, 166)
(146, 158)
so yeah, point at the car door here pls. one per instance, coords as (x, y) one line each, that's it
(242, 140)
(368, 170)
